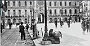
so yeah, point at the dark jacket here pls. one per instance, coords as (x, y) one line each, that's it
(27, 26)
(21, 29)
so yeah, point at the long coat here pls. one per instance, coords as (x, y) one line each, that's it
(21, 29)
(83, 25)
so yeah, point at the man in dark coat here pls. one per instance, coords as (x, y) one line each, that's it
(21, 30)
(87, 23)
(61, 23)
(56, 23)
(75, 19)
(79, 19)
(1, 27)
(27, 26)
(68, 22)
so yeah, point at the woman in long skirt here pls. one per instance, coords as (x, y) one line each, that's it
(83, 25)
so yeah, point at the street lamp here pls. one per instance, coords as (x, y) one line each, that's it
(45, 40)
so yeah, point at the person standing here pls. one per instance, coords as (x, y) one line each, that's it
(61, 23)
(79, 19)
(56, 23)
(68, 22)
(87, 24)
(21, 30)
(75, 19)
(27, 26)
(1, 27)
(83, 25)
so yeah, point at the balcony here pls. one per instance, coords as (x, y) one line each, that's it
(54, 15)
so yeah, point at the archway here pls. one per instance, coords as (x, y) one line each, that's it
(41, 18)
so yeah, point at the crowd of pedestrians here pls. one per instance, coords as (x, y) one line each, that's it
(85, 25)
(68, 20)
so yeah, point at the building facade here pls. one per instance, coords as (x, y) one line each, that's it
(86, 8)
(26, 10)
(58, 9)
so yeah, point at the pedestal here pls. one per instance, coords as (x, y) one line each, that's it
(45, 42)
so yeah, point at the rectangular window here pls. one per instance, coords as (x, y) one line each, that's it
(13, 3)
(19, 3)
(14, 12)
(8, 12)
(60, 3)
(8, 3)
(54, 3)
(25, 3)
(19, 12)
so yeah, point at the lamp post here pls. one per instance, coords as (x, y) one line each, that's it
(45, 40)
(45, 34)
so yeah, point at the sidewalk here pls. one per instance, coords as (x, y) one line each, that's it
(27, 42)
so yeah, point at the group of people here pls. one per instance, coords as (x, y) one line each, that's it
(22, 30)
(85, 25)
(54, 36)
(62, 23)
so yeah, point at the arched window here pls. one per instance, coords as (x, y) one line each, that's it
(14, 12)
(19, 12)
(75, 3)
(70, 11)
(55, 11)
(65, 11)
(54, 3)
(65, 3)
(75, 11)
(13, 3)
(30, 3)
(49, 3)
(50, 11)
(61, 11)
(25, 12)
(19, 3)
(60, 3)
(8, 12)
(25, 3)
(69, 3)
